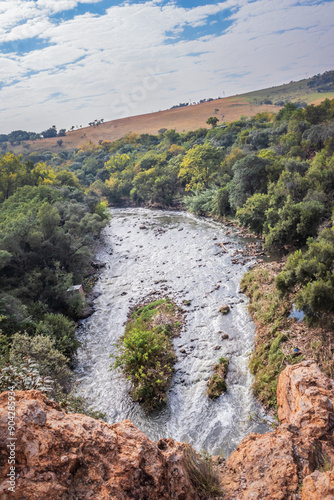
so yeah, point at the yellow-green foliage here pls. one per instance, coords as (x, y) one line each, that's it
(145, 352)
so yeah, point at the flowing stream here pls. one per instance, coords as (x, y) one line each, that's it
(175, 254)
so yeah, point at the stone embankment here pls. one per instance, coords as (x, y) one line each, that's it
(70, 456)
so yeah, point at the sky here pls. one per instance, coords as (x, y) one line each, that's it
(69, 62)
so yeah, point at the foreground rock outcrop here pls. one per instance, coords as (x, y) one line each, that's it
(69, 456)
(281, 465)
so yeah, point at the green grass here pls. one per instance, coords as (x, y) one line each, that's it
(289, 92)
(270, 315)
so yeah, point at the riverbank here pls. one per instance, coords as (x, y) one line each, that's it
(178, 255)
(280, 340)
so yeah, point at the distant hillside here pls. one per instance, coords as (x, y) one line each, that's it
(185, 118)
(308, 91)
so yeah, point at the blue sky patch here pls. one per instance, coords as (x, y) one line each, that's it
(23, 46)
(213, 25)
(83, 8)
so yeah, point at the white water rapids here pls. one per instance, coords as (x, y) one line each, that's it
(186, 265)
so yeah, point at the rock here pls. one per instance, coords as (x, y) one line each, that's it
(318, 486)
(66, 456)
(224, 309)
(225, 336)
(88, 311)
(270, 470)
(305, 399)
(93, 295)
(98, 265)
(277, 463)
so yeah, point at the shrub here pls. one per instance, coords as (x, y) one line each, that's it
(23, 378)
(310, 276)
(145, 352)
(217, 384)
(48, 360)
(146, 358)
(252, 213)
(62, 330)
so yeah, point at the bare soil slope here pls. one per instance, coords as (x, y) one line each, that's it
(182, 119)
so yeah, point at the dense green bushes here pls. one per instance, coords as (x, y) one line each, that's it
(274, 173)
(48, 225)
(310, 276)
(46, 235)
(216, 383)
(145, 352)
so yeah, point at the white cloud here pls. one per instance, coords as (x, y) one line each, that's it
(56, 5)
(122, 62)
(32, 28)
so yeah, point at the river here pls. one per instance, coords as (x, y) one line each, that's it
(176, 254)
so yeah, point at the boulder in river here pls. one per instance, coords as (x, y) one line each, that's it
(225, 309)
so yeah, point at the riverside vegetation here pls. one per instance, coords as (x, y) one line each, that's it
(145, 352)
(217, 384)
(273, 173)
(48, 225)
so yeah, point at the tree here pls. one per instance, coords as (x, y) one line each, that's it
(199, 166)
(11, 174)
(250, 176)
(118, 163)
(50, 132)
(62, 330)
(213, 120)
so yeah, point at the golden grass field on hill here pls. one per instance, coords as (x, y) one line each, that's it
(182, 119)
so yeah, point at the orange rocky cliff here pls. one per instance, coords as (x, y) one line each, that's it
(70, 456)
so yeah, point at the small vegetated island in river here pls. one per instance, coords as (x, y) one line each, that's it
(145, 351)
(217, 384)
